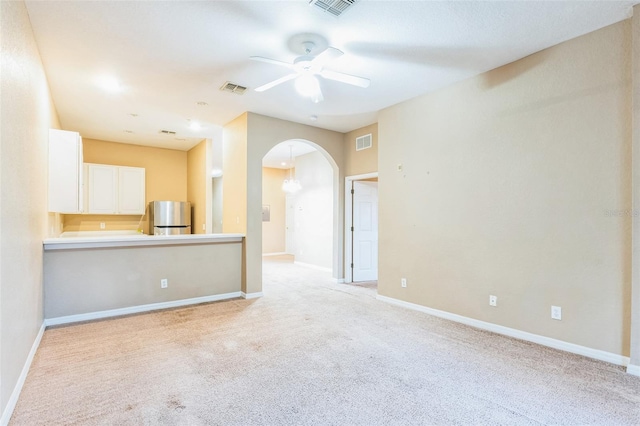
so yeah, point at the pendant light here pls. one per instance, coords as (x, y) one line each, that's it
(290, 185)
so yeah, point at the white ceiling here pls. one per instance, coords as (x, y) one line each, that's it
(171, 55)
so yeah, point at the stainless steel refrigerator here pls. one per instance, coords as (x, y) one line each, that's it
(169, 217)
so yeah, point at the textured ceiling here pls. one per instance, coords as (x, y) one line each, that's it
(169, 56)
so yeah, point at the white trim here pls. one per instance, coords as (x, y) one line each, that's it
(633, 369)
(280, 253)
(348, 221)
(311, 266)
(74, 243)
(13, 399)
(512, 332)
(339, 280)
(251, 295)
(137, 309)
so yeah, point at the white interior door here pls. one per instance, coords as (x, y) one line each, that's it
(365, 231)
(290, 239)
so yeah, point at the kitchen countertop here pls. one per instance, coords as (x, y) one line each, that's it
(96, 240)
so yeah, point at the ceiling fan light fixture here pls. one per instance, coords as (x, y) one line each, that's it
(307, 85)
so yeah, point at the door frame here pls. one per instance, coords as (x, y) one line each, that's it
(348, 222)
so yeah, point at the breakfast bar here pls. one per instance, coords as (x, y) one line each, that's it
(98, 275)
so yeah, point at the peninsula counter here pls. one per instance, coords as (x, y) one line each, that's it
(91, 277)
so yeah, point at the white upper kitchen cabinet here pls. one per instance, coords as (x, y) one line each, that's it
(115, 189)
(102, 181)
(131, 190)
(65, 172)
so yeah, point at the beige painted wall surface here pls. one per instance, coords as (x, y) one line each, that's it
(197, 186)
(273, 232)
(263, 134)
(516, 184)
(234, 169)
(165, 179)
(216, 199)
(83, 281)
(363, 161)
(27, 115)
(635, 268)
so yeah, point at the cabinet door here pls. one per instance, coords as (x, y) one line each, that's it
(103, 181)
(131, 193)
(65, 172)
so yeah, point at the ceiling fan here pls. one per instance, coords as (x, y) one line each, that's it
(307, 68)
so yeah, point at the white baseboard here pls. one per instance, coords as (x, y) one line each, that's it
(251, 295)
(13, 399)
(633, 369)
(137, 309)
(518, 334)
(309, 265)
(281, 253)
(339, 280)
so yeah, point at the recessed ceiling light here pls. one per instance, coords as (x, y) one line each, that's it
(195, 126)
(109, 83)
(201, 103)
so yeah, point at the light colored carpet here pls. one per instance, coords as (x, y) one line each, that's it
(311, 352)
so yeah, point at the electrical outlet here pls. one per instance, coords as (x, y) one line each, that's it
(493, 300)
(102, 225)
(164, 283)
(403, 282)
(556, 312)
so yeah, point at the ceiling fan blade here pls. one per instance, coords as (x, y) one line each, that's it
(326, 56)
(276, 82)
(271, 61)
(346, 78)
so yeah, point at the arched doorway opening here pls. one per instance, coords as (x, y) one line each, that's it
(300, 221)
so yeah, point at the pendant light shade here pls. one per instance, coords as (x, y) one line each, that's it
(291, 185)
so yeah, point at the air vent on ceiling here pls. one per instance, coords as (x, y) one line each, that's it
(334, 7)
(363, 142)
(233, 88)
(168, 132)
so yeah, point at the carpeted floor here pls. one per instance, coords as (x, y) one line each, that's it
(311, 352)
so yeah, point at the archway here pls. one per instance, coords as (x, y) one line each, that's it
(302, 222)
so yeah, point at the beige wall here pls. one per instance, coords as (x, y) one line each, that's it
(165, 179)
(363, 161)
(273, 232)
(635, 178)
(234, 169)
(216, 200)
(27, 115)
(85, 281)
(515, 189)
(197, 177)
